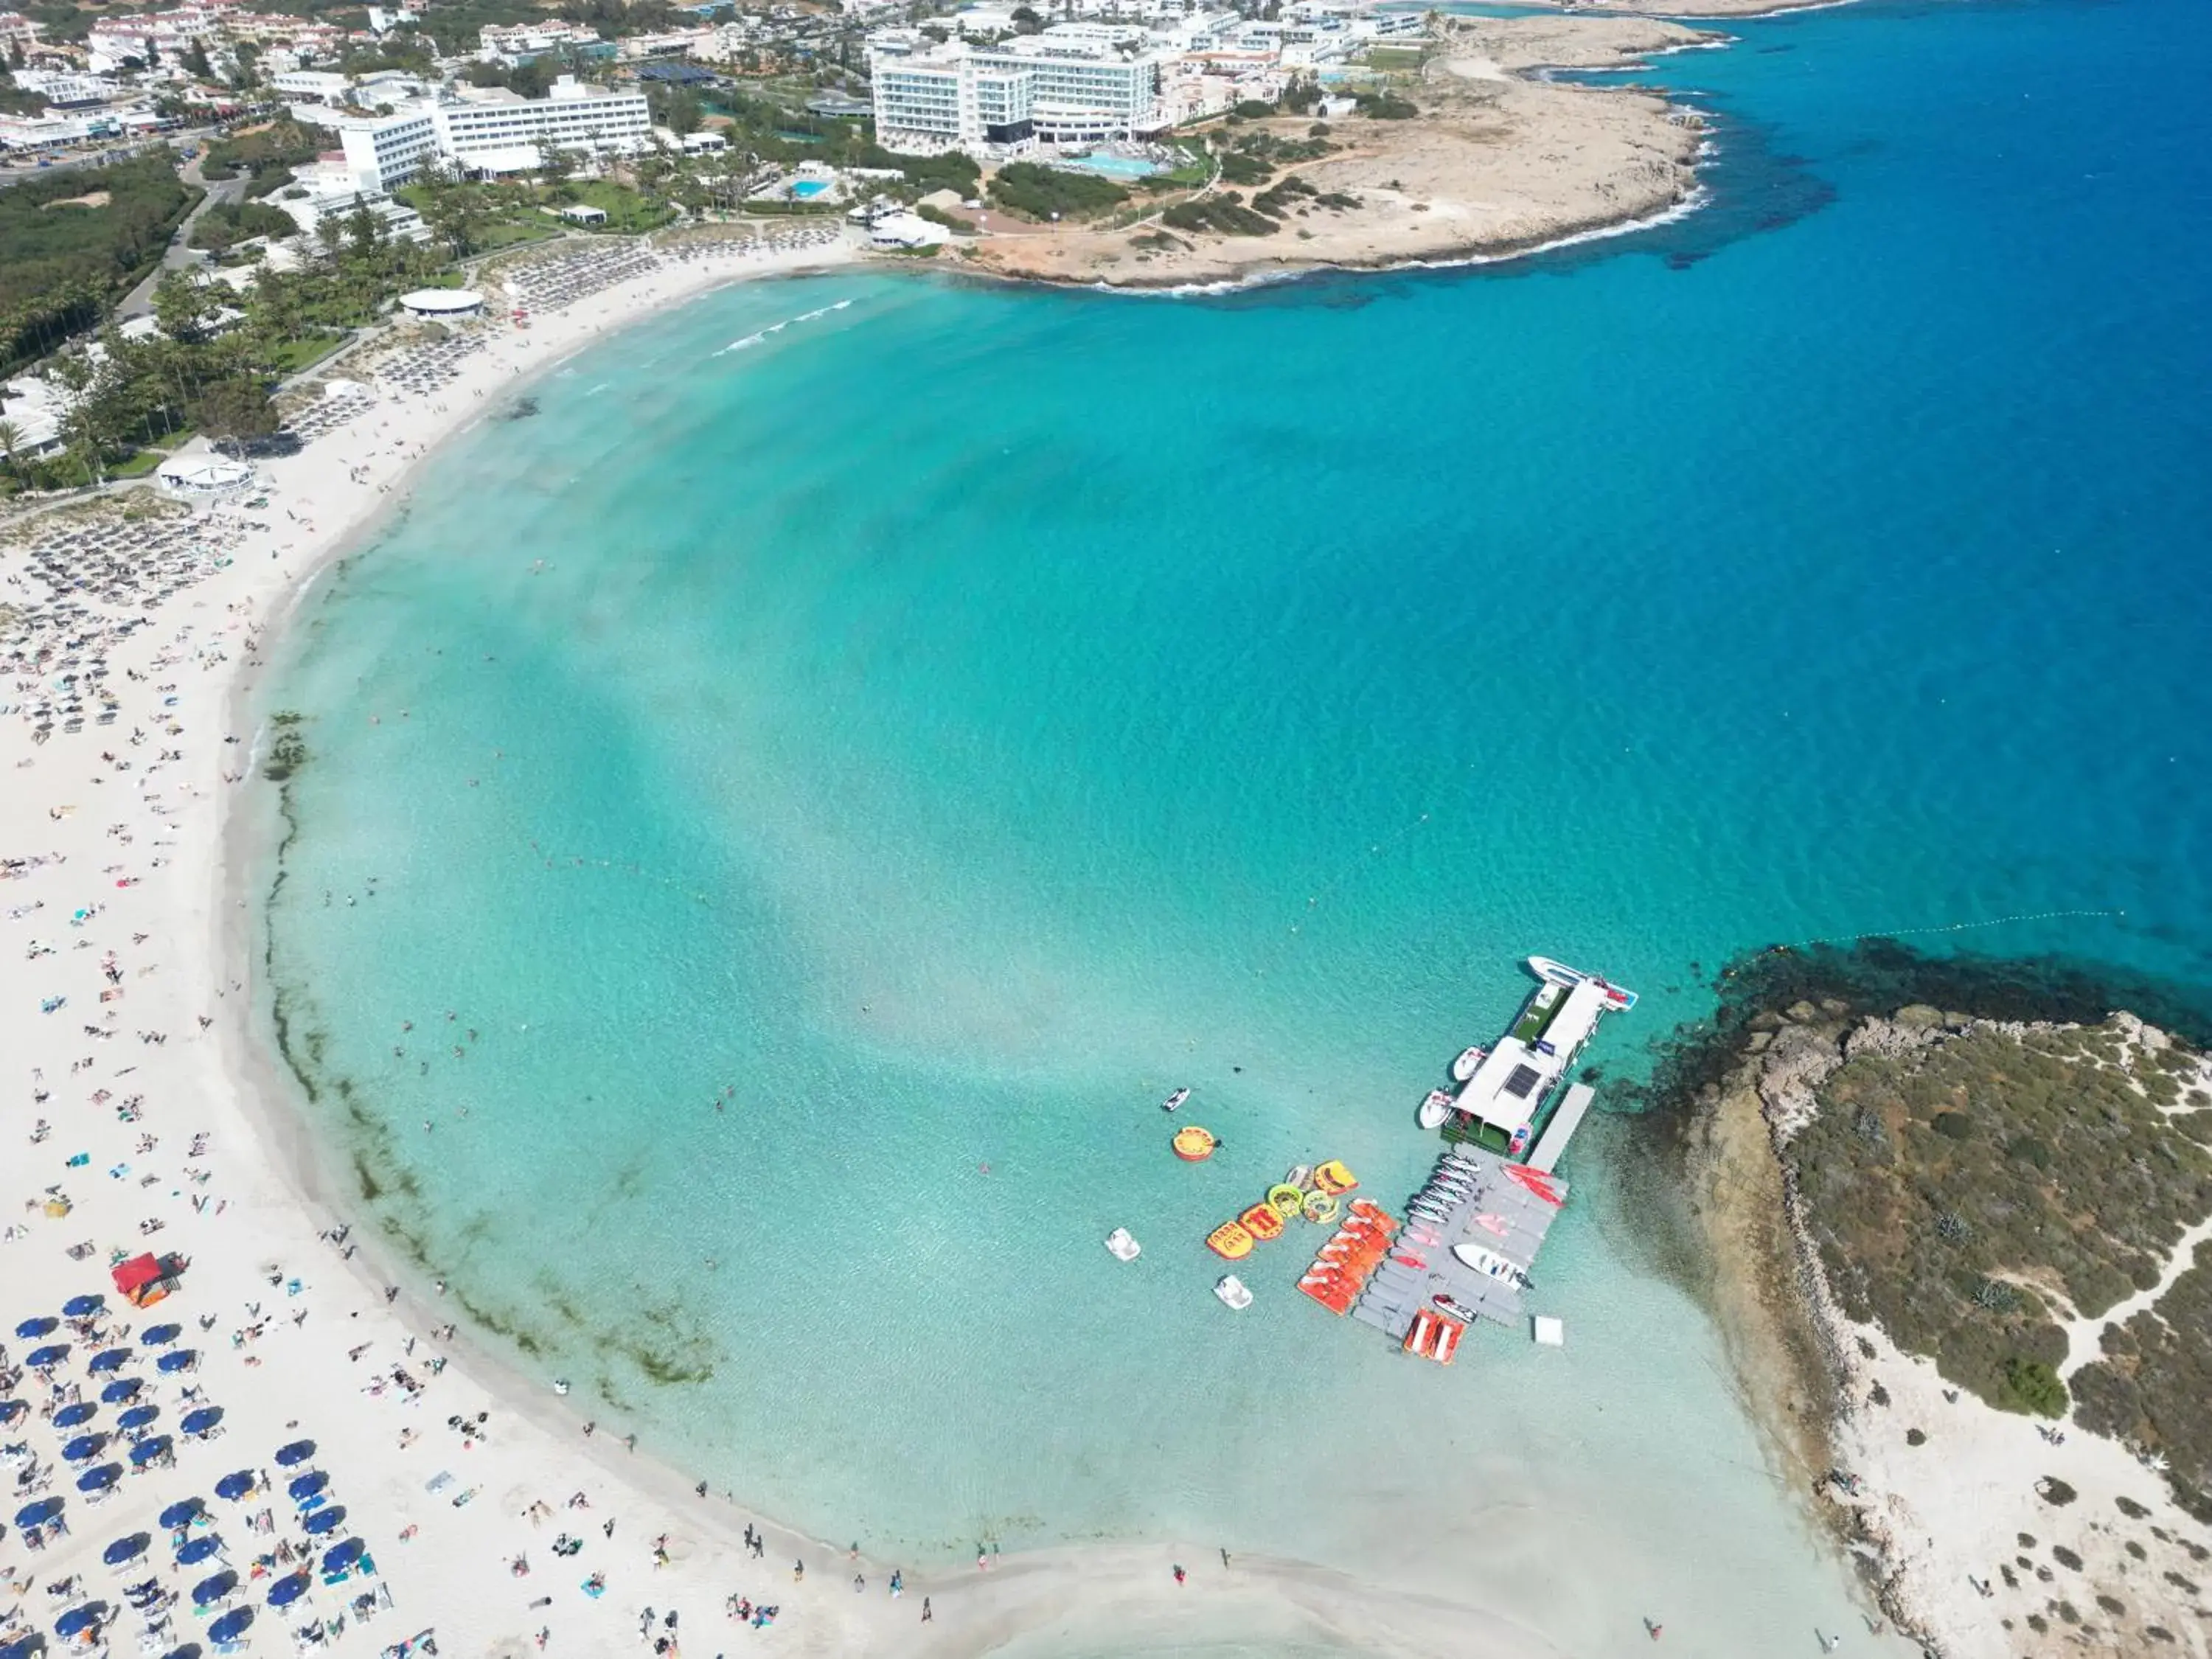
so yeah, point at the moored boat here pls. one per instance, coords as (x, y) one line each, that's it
(1557, 973)
(1431, 1114)
(1124, 1247)
(1233, 1292)
(1463, 1067)
(1174, 1100)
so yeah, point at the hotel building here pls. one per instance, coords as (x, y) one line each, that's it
(493, 131)
(1072, 84)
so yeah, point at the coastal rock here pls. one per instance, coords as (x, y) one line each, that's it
(1933, 1525)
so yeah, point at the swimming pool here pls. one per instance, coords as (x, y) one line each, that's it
(1112, 166)
(805, 190)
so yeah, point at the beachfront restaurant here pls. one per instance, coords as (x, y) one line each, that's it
(1501, 1106)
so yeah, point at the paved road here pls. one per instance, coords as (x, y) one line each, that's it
(139, 302)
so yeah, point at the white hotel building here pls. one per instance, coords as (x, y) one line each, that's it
(493, 131)
(1072, 84)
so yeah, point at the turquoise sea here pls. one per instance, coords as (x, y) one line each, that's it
(829, 789)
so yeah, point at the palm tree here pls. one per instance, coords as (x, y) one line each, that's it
(11, 439)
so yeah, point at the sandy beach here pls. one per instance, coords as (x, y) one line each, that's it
(145, 1113)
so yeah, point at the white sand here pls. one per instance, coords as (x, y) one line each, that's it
(151, 841)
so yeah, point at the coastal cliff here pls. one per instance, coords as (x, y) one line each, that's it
(1480, 157)
(1960, 1264)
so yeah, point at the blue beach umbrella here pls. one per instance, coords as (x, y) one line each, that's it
(70, 1416)
(36, 1327)
(155, 1336)
(53, 1354)
(200, 1421)
(189, 1650)
(196, 1550)
(287, 1589)
(37, 1514)
(84, 1446)
(236, 1485)
(77, 1619)
(110, 1359)
(323, 1520)
(125, 1549)
(309, 1484)
(81, 1307)
(29, 1648)
(100, 1478)
(298, 1452)
(121, 1388)
(183, 1360)
(146, 1450)
(12, 1409)
(182, 1512)
(137, 1417)
(215, 1588)
(231, 1626)
(343, 1556)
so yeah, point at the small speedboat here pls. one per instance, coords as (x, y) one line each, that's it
(1489, 1262)
(1463, 1067)
(1174, 1100)
(1452, 1306)
(1125, 1248)
(1433, 1109)
(1234, 1292)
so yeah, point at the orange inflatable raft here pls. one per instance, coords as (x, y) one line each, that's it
(1192, 1143)
(1231, 1239)
(1262, 1222)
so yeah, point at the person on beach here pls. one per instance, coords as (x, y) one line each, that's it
(926, 1614)
(1653, 1630)
(1179, 1573)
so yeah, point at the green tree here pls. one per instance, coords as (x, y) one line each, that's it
(235, 408)
(11, 439)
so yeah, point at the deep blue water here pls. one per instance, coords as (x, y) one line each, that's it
(957, 719)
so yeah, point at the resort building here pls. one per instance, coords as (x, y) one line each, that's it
(492, 130)
(1073, 84)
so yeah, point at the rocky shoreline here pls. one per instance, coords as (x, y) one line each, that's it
(1978, 1531)
(1499, 161)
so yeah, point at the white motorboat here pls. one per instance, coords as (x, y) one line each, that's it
(1433, 1109)
(1234, 1292)
(1492, 1264)
(1125, 1248)
(1557, 973)
(1463, 1067)
(1174, 1100)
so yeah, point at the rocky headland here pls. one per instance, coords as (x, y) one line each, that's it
(1477, 154)
(1960, 1257)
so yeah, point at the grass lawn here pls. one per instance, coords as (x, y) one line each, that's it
(1396, 57)
(293, 355)
(628, 212)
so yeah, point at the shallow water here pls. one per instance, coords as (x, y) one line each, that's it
(837, 778)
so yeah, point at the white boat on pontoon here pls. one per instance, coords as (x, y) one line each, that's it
(1557, 973)
(1463, 1067)
(1489, 1262)
(1124, 1247)
(1234, 1292)
(1431, 1114)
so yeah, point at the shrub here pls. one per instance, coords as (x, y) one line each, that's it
(1039, 192)
(1386, 106)
(1955, 1126)
(1240, 168)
